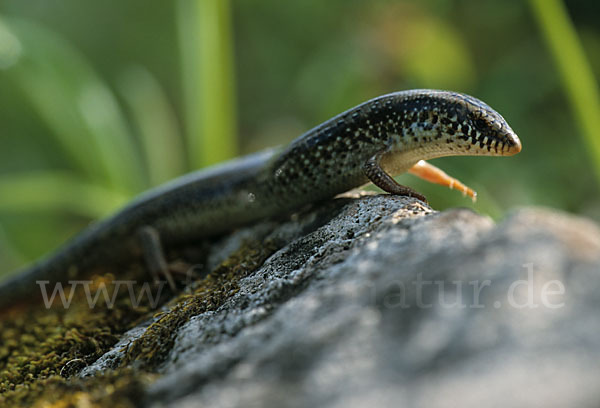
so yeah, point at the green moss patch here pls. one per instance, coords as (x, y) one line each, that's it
(42, 350)
(211, 293)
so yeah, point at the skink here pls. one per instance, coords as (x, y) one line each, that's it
(382, 137)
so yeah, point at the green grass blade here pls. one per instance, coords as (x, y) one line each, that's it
(206, 47)
(11, 257)
(56, 191)
(76, 105)
(159, 132)
(577, 76)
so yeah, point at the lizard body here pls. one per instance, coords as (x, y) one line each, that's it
(393, 134)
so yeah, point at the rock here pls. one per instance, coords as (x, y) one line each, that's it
(380, 301)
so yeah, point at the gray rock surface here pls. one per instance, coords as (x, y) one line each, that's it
(380, 302)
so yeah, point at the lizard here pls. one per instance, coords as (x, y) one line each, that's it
(382, 137)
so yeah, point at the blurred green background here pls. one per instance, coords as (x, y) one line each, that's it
(102, 100)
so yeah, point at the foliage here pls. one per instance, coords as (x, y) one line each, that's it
(579, 82)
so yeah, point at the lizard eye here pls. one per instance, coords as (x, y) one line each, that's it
(480, 124)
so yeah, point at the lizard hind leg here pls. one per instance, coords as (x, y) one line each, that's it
(429, 172)
(378, 176)
(154, 256)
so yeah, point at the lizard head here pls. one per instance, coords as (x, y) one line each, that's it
(484, 129)
(458, 124)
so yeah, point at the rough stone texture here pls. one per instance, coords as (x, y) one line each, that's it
(380, 301)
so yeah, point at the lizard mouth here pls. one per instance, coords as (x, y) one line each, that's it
(506, 144)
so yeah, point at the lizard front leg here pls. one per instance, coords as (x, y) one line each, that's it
(378, 176)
